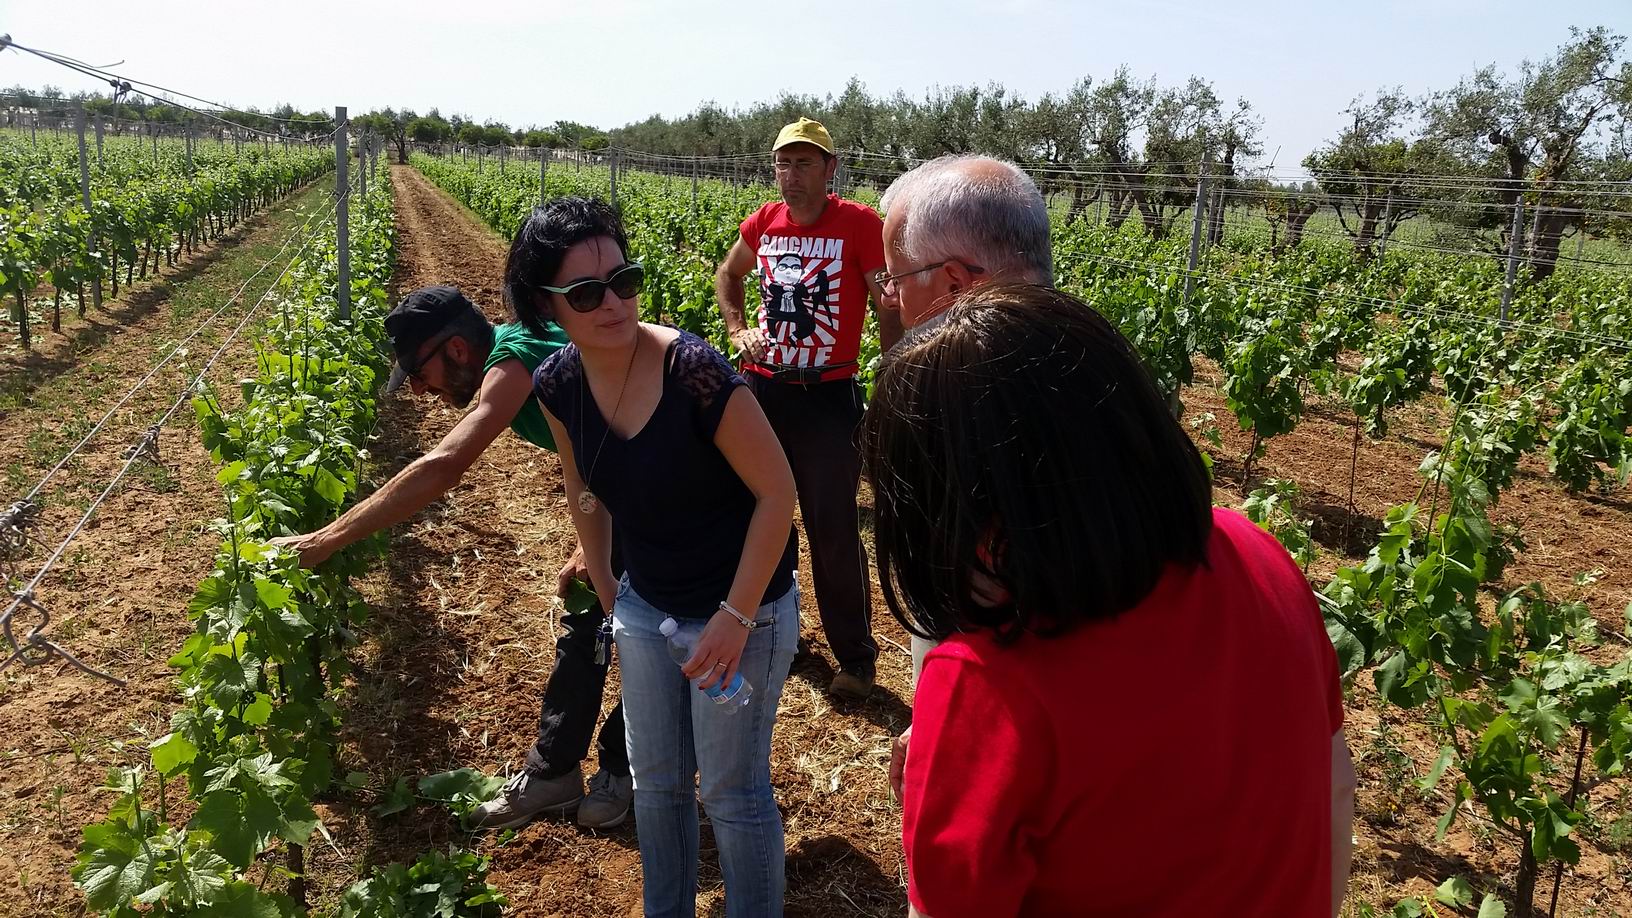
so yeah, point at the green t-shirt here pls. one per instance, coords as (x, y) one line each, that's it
(515, 341)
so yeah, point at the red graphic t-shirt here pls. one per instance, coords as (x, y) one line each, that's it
(812, 284)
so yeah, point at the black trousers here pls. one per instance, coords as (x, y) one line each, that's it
(572, 704)
(817, 426)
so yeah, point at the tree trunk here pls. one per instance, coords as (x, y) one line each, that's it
(1297, 217)
(1121, 207)
(1079, 201)
(1215, 217)
(1549, 235)
(1215, 220)
(1150, 215)
(22, 321)
(295, 862)
(1371, 211)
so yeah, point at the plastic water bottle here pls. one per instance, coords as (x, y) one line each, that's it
(732, 696)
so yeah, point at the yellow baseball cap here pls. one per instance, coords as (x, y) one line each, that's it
(804, 131)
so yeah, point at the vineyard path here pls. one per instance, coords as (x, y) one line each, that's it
(118, 598)
(462, 641)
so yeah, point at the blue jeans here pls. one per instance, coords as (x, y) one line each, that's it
(675, 732)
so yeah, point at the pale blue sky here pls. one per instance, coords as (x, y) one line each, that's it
(613, 61)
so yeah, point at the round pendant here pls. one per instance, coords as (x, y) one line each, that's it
(586, 501)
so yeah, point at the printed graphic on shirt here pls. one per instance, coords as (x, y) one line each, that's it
(801, 299)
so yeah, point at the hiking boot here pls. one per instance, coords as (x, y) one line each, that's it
(608, 802)
(527, 796)
(851, 685)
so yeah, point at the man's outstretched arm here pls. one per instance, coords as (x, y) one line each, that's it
(505, 389)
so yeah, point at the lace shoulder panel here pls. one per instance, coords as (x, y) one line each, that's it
(557, 374)
(702, 371)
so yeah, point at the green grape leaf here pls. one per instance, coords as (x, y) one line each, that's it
(243, 900)
(112, 877)
(329, 487)
(400, 798)
(1454, 891)
(1427, 782)
(171, 753)
(223, 816)
(201, 876)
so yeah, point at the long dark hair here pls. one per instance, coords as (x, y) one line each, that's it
(1022, 438)
(541, 244)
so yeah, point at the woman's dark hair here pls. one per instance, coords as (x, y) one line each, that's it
(541, 244)
(1023, 438)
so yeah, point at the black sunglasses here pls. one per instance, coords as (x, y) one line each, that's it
(421, 365)
(587, 295)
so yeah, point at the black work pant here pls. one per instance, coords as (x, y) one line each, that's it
(572, 704)
(817, 426)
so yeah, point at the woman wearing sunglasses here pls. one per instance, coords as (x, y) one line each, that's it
(657, 431)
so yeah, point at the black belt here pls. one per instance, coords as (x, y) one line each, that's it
(805, 376)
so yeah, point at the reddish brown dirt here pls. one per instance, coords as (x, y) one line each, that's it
(465, 629)
(119, 594)
(1397, 854)
(464, 633)
(462, 642)
(57, 352)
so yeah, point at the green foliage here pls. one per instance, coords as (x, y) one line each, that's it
(452, 885)
(1509, 685)
(1274, 508)
(463, 790)
(261, 671)
(142, 206)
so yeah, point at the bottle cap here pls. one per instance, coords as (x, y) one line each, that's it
(669, 627)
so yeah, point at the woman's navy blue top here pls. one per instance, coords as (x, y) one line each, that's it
(681, 512)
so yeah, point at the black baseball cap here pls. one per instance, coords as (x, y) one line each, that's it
(421, 317)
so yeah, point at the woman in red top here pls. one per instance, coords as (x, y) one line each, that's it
(1134, 709)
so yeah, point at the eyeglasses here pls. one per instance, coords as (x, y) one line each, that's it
(586, 295)
(797, 165)
(420, 367)
(889, 281)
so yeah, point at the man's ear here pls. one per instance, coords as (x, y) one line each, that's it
(458, 350)
(958, 277)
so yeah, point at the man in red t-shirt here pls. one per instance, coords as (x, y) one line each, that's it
(818, 257)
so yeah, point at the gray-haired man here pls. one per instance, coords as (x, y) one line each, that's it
(956, 222)
(952, 224)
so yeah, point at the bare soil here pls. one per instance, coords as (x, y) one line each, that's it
(53, 353)
(466, 627)
(118, 596)
(461, 645)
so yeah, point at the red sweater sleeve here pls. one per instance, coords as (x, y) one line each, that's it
(976, 790)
